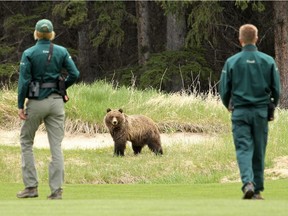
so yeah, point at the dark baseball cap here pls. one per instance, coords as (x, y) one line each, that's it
(44, 26)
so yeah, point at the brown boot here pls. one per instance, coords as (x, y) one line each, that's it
(29, 192)
(56, 194)
(257, 197)
(248, 191)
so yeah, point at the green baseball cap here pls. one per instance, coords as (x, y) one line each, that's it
(44, 26)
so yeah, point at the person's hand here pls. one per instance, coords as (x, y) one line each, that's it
(21, 114)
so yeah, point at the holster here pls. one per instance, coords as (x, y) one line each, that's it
(34, 89)
(271, 110)
(62, 88)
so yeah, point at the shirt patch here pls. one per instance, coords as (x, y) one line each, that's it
(45, 51)
(22, 63)
(250, 61)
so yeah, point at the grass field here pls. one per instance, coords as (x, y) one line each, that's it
(147, 199)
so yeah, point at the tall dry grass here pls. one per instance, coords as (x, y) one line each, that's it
(172, 112)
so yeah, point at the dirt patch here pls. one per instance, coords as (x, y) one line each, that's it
(85, 141)
(278, 171)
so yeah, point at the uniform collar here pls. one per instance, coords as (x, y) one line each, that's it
(43, 41)
(249, 47)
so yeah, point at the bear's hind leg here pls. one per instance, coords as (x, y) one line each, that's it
(136, 149)
(155, 146)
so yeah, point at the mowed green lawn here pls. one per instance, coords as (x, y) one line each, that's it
(147, 199)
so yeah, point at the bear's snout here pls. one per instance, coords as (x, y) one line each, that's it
(114, 121)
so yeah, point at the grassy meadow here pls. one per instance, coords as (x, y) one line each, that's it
(189, 179)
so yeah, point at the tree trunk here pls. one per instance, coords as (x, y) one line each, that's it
(143, 31)
(175, 40)
(176, 31)
(281, 46)
(84, 55)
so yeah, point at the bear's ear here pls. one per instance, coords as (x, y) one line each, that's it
(108, 110)
(120, 110)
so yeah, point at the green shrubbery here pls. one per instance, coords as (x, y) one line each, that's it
(174, 71)
(170, 71)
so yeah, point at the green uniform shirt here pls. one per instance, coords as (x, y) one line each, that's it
(249, 78)
(34, 64)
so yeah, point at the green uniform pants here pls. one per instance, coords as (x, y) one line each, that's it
(250, 131)
(50, 111)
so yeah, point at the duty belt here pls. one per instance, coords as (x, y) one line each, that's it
(48, 85)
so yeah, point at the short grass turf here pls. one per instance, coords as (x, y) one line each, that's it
(147, 199)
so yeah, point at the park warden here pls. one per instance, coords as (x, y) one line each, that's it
(249, 83)
(40, 72)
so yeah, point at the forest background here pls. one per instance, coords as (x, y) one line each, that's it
(170, 46)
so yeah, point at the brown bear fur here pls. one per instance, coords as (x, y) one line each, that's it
(138, 129)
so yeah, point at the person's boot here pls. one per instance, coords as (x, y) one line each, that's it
(56, 194)
(248, 191)
(257, 196)
(29, 192)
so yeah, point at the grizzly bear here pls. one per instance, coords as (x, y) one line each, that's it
(138, 129)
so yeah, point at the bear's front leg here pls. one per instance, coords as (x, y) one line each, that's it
(119, 148)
